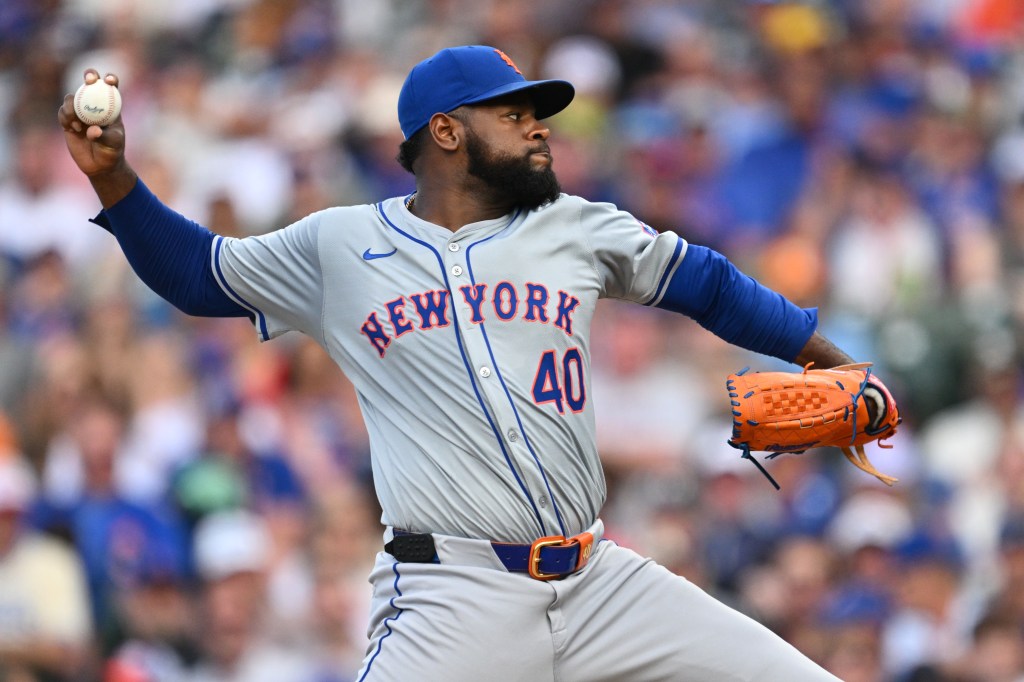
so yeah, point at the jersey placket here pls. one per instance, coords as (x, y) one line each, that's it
(488, 376)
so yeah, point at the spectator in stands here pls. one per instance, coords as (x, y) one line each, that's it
(111, 532)
(232, 554)
(45, 626)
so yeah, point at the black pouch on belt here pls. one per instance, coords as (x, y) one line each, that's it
(415, 548)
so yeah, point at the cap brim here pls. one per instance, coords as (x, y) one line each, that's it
(549, 97)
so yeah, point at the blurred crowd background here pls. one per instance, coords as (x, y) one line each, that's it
(179, 503)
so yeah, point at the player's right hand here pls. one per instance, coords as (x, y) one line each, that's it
(96, 150)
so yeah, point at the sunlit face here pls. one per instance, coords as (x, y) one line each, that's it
(507, 149)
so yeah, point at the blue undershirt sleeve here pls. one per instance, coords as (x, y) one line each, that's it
(168, 252)
(735, 307)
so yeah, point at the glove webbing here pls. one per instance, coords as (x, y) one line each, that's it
(861, 460)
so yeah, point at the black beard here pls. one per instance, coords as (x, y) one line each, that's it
(512, 179)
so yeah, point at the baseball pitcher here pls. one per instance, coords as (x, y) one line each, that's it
(461, 313)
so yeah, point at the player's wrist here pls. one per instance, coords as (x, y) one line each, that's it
(113, 184)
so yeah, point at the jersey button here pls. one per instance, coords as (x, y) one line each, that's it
(453, 247)
(457, 270)
(485, 372)
(542, 501)
(512, 435)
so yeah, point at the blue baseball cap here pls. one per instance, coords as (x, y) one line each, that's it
(468, 75)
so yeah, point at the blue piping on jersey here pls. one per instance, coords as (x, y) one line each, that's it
(508, 394)
(660, 291)
(261, 320)
(469, 368)
(380, 642)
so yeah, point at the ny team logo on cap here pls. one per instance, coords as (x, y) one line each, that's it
(508, 60)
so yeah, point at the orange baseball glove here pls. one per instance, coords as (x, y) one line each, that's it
(780, 412)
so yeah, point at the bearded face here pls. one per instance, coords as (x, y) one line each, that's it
(513, 178)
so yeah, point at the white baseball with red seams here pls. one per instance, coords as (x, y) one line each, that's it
(97, 104)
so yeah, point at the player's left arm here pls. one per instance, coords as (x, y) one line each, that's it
(636, 263)
(710, 289)
(823, 353)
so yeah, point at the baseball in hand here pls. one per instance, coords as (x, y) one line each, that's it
(97, 104)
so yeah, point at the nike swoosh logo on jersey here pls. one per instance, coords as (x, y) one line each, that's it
(371, 256)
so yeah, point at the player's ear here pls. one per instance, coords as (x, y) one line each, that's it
(447, 131)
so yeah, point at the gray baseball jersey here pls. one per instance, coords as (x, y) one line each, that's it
(469, 351)
(470, 355)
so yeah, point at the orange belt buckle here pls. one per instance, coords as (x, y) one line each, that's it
(584, 540)
(533, 564)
